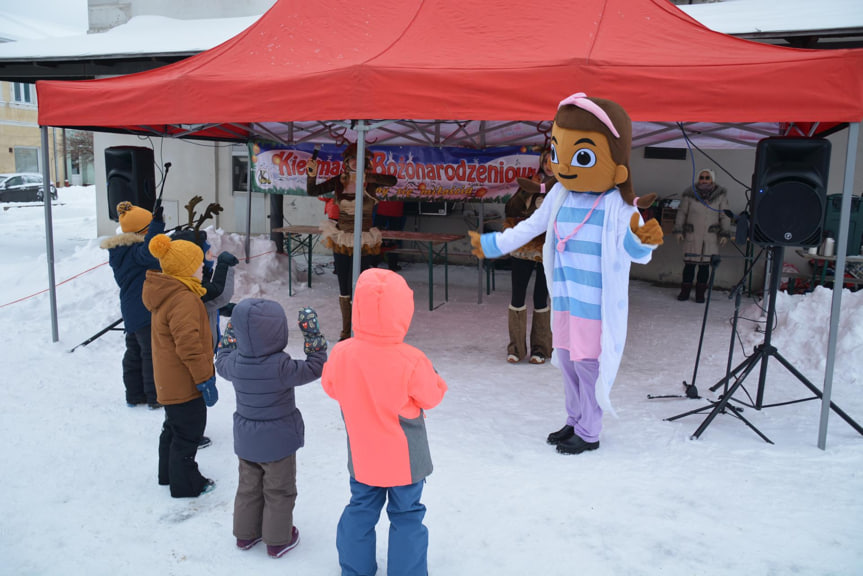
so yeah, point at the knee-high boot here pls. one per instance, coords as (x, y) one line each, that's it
(345, 305)
(540, 336)
(517, 348)
(701, 282)
(700, 290)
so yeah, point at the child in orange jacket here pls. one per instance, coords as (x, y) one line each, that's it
(182, 361)
(383, 386)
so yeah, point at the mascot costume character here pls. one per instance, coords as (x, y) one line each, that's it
(593, 232)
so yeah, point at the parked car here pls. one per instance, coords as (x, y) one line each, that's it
(23, 187)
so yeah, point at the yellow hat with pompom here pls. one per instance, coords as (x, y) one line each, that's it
(133, 218)
(177, 257)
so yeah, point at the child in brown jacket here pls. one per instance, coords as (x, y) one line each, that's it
(182, 361)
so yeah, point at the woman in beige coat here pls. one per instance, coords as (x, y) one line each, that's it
(702, 227)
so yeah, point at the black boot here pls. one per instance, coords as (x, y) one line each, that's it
(700, 289)
(576, 445)
(561, 435)
(685, 288)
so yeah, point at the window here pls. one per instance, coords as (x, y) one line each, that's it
(26, 159)
(23, 93)
(240, 170)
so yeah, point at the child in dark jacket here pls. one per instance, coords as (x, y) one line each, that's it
(130, 258)
(383, 387)
(268, 426)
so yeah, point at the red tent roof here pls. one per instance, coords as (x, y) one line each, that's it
(492, 60)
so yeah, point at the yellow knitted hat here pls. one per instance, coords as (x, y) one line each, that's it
(133, 218)
(179, 258)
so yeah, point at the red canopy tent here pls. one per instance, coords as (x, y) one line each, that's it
(469, 63)
(496, 60)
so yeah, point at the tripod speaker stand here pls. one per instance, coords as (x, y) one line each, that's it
(761, 355)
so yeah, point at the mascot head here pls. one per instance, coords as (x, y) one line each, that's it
(590, 145)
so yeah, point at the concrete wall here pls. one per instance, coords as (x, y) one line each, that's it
(193, 172)
(202, 169)
(668, 178)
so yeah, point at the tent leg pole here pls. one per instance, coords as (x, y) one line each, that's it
(479, 263)
(248, 245)
(49, 234)
(361, 129)
(841, 251)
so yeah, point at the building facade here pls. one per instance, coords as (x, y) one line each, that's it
(20, 137)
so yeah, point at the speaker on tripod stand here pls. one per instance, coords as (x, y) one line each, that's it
(789, 191)
(789, 197)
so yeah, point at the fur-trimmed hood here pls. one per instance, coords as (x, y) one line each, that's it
(130, 259)
(124, 239)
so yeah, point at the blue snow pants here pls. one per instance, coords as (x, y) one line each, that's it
(407, 553)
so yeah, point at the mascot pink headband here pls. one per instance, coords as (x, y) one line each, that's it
(580, 100)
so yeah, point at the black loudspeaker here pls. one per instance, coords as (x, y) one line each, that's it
(789, 191)
(131, 176)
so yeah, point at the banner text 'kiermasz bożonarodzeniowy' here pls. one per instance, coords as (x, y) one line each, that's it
(424, 174)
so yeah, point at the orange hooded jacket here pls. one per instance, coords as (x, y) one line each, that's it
(383, 385)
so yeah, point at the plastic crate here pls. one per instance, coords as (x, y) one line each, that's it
(855, 228)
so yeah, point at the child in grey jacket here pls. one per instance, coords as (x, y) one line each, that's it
(268, 426)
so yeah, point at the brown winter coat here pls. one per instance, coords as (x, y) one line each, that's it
(182, 343)
(702, 226)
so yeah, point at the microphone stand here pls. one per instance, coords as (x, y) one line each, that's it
(690, 391)
(158, 203)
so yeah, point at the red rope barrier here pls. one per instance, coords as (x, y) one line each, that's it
(58, 284)
(84, 272)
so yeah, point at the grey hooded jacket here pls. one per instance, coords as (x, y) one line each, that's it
(268, 425)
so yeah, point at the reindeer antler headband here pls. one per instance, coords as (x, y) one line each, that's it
(213, 208)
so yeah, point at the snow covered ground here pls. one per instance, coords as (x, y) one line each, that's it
(79, 490)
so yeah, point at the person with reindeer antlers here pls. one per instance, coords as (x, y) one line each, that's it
(217, 279)
(339, 235)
